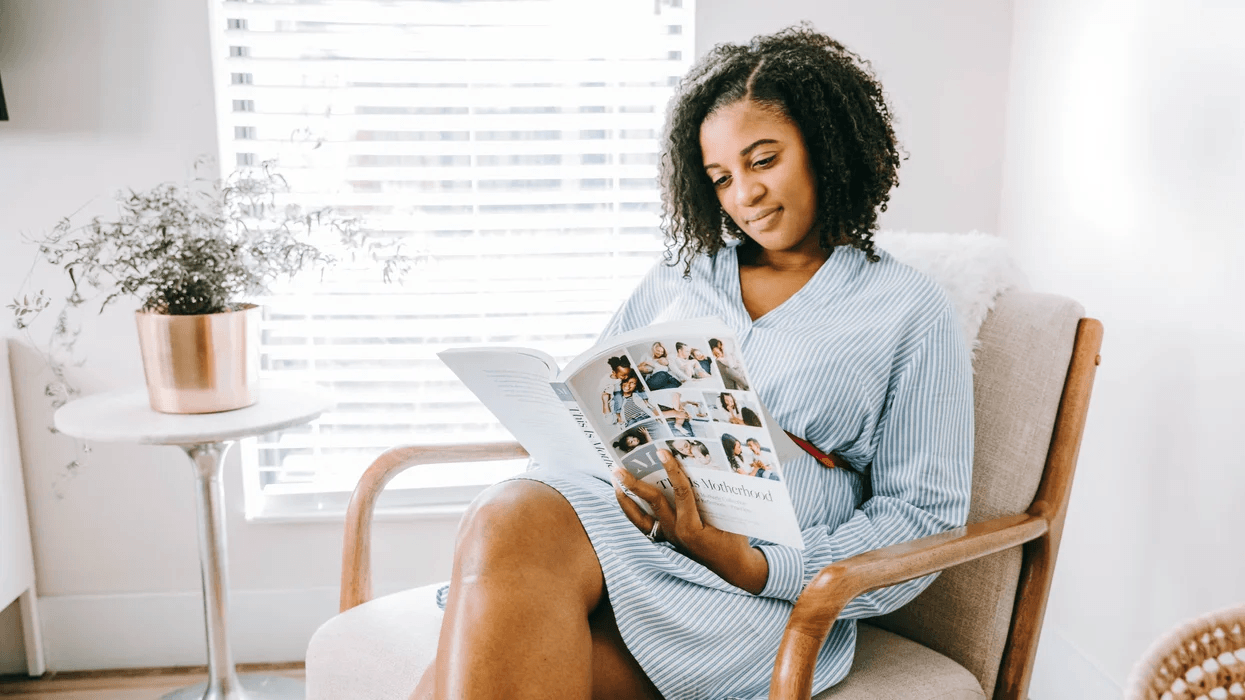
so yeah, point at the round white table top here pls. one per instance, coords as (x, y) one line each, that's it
(125, 415)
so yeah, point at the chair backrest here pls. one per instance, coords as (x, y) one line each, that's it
(1019, 372)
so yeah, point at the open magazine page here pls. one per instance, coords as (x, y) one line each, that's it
(679, 391)
(514, 383)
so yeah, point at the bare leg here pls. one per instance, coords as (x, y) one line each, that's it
(525, 616)
(615, 673)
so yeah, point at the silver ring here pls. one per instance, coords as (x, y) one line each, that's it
(652, 534)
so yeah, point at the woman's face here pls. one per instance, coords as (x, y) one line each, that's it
(737, 448)
(659, 351)
(717, 351)
(728, 402)
(631, 442)
(697, 355)
(681, 447)
(629, 385)
(758, 164)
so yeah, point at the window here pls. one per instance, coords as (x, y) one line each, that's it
(511, 142)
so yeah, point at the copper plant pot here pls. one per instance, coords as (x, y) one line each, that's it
(200, 364)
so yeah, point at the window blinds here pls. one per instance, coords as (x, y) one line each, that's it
(510, 145)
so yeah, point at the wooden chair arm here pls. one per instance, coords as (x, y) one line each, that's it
(836, 585)
(357, 547)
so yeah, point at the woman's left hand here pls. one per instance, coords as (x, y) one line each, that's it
(725, 553)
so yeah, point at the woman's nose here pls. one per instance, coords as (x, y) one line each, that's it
(749, 191)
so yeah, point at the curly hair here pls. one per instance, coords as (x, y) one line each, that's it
(831, 95)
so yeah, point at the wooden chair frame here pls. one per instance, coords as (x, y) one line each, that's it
(1038, 530)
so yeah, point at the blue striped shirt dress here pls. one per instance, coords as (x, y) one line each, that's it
(866, 360)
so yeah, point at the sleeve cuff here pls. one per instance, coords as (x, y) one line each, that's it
(786, 572)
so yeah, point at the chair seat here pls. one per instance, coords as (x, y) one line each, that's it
(378, 650)
(890, 667)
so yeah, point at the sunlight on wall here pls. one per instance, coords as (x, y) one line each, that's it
(1122, 178)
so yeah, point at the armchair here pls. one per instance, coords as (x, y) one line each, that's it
(972, 634)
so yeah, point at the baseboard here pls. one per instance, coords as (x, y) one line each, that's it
(1063, 672)
(91, 632)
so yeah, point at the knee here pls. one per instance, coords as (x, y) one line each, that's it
(521, 519)
(522, 534)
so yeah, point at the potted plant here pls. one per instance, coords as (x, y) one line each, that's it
(192, 255)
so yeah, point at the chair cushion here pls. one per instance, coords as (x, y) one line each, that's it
(1019, 372)
(1026, 346)
(376, 651)
(889, 667)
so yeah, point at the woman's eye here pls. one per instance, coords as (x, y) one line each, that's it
(764, 162)
(721, 181)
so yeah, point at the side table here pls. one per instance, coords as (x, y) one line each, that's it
(126, 416)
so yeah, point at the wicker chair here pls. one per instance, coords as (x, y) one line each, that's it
(972, 634)
(1202, 658)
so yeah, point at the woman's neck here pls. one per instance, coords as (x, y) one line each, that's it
(806, 257)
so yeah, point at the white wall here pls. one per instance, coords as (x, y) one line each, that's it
(944, 68)
(110, 93)
(1123, 187)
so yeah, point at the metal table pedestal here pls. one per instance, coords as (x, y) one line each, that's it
(223, 682)
(253, 687)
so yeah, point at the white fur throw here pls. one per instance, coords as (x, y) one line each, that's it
(973, 268)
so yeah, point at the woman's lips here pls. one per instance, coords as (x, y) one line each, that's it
(765, 219)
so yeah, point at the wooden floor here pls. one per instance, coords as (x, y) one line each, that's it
(139, 684)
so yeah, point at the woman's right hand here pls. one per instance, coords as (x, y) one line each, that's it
(726, 554)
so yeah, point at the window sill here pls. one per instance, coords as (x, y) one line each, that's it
(391, 514)
(413, 495)
(394, 505)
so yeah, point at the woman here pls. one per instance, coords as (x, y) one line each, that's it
(656, 370)
(705, 363)
(690, 453)
(778, 156)
(682, 450)
(683, 367)
(730, 408)
(633, 405)
(620, 368)
(631, 439)
(735, 460)
(733, 376)
(750, 417)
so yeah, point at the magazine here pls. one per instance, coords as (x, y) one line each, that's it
(675, 391)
